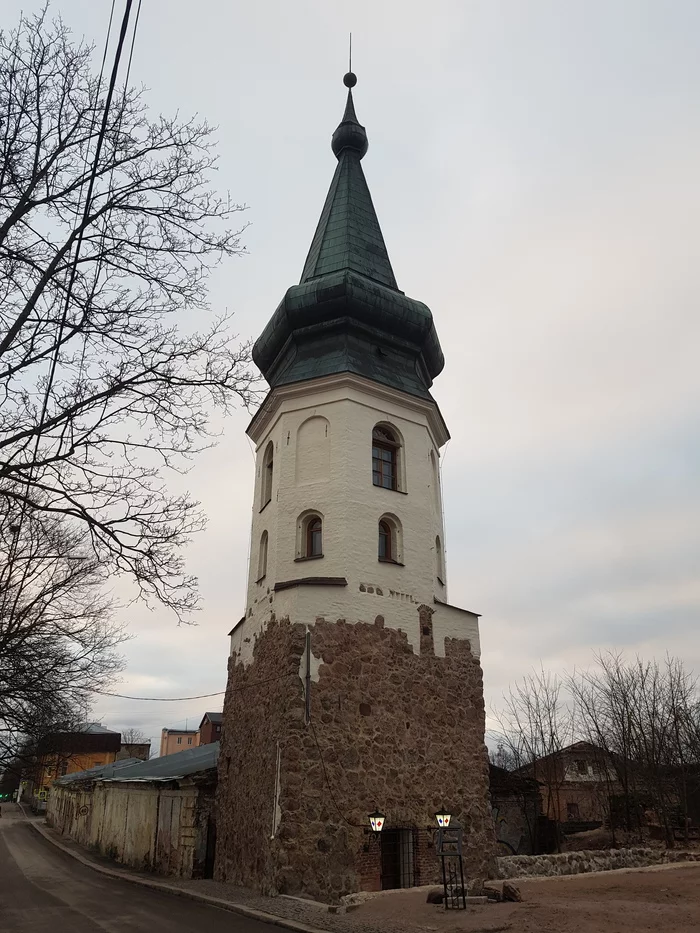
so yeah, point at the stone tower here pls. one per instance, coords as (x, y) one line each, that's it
(352, 683)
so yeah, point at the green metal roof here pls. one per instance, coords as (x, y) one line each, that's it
(348, 235)
(347, 314)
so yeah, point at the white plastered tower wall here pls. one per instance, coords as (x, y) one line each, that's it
(321, 432)
(352, 683)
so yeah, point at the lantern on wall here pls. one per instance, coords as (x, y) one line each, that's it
(443, 817)
(376, 821)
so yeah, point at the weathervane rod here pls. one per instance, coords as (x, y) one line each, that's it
(350, 55)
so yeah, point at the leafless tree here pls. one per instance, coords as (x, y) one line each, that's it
(134, 736)
(58, 642)
(503, 757)
(534, 725)
(604, 700)
(109, 369)
(644, 717)
(641, 717)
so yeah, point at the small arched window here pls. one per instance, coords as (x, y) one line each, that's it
(314, 537)
(385, 457)
(389, 545)
(439, 560)
(267, 471)
(309, 535)
(385, 548)
(262, 557)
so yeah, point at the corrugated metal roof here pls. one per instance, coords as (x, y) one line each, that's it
(169, 767)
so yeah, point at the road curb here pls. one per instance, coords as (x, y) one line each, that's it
(250, 912)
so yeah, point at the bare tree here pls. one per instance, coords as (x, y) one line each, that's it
(644, 717)
(105, 385)
(134, 736)
(604, 701)
(57, 638)
(534, 725)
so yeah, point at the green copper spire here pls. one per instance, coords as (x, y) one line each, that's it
(348, 235)
(347, 315)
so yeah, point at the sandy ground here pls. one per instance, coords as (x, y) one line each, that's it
(628, 902)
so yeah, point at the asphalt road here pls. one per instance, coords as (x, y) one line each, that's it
(43, 890)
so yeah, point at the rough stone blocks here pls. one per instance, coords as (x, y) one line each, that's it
(389, 728)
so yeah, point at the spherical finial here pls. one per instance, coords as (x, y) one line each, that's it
(350, 79)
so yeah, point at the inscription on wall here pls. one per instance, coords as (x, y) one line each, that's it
(393, 594)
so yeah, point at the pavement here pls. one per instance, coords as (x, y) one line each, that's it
(46, 889)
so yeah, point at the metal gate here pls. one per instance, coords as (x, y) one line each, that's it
(398, 858)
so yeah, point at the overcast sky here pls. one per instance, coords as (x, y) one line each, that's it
(534, 166)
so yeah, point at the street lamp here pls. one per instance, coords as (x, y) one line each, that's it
(443, 817)
(376, 821)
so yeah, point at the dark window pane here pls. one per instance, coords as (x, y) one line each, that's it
(384, 541)
(384, 465)
(314, 538)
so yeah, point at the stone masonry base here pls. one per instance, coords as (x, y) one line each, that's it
(390, 729)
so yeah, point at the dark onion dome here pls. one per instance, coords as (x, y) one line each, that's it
(348, 314)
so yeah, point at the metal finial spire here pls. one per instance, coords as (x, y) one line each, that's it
(350, 80)
(349, 134)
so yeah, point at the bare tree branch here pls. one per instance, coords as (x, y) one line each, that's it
(135, 383)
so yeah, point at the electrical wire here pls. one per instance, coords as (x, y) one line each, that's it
(106, 216)
(328, 783)
(123, 696)
(201, 696)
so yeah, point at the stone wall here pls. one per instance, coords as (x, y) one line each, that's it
(390, 728)
(574, 863)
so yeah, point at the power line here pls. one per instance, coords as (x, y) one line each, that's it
(201, 696)
(21, 320)
(328, 783)
(123, 696)
(107, 214)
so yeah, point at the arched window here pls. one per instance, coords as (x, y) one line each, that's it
(314, 537)
(385, 549)
(267, 470)
(385, 457)
(439, 560)
(389, 546)
(262, 557)
(309, 535)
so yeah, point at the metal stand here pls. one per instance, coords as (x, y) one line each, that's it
(449, 849)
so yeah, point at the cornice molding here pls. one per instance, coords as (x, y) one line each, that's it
(310, 581)
(262, 419)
